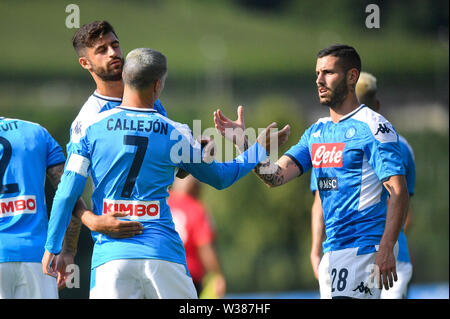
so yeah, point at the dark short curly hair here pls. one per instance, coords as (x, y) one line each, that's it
(88, 34)
(348, 57)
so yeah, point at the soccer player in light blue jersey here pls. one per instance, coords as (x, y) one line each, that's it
(28, 154)
(98, 49)
(133, 154)
(366, 90)
(356, 158)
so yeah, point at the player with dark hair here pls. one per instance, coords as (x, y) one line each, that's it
(356, 158)
(133, 154)
(99, 52)
(366, 90)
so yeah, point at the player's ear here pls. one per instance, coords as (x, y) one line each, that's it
(158, 86)
(84, 62)
(352, 76)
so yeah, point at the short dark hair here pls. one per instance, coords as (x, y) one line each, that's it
(348, 57)
(88, 34)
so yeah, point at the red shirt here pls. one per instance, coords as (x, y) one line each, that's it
(194, 227)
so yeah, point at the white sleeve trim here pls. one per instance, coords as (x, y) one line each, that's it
(78, 164)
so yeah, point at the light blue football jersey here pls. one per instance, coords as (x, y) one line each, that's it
(97, 103)
(350, 160)
(26, 151)
(133, 156)
(410, 171)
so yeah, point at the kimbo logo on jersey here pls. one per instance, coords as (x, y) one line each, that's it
(327, 183)
(327, 154)
(137, 210)
(17, 205)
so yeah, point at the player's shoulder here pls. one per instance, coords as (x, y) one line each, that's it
(315, 128)
(23, 125)
(176, 127)
(406, 147)
(379, 127)
(94, 105)
(80, 127)
(320, 122)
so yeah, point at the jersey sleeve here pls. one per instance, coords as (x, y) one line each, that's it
(55, 155)
(159, 108)
(187, 153)
(410, 165)
(383, 151)
(300, 153)
(69, 190)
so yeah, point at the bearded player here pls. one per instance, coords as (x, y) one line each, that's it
(356, 158)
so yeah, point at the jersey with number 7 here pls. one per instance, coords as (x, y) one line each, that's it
(133, 156)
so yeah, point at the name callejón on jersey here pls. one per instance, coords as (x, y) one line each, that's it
(156, 126)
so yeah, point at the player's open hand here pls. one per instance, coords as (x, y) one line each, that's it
(110, 225)
(271, 138)
(232, 130)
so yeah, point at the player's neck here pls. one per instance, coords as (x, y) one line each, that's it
(132, 98)
(110, 88)
(350, 104)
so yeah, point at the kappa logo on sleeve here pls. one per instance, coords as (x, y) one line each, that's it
(384, 132)
(77, 128)
(327, 154)
(383, 128)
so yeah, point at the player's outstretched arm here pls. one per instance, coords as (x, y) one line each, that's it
(223, 175)
(278, 173)
(272, 174)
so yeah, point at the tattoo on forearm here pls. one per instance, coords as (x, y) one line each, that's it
(270, 173)
(71, 238)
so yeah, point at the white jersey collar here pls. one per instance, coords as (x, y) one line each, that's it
(138, 109)
(106, 98)
(346, 116)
